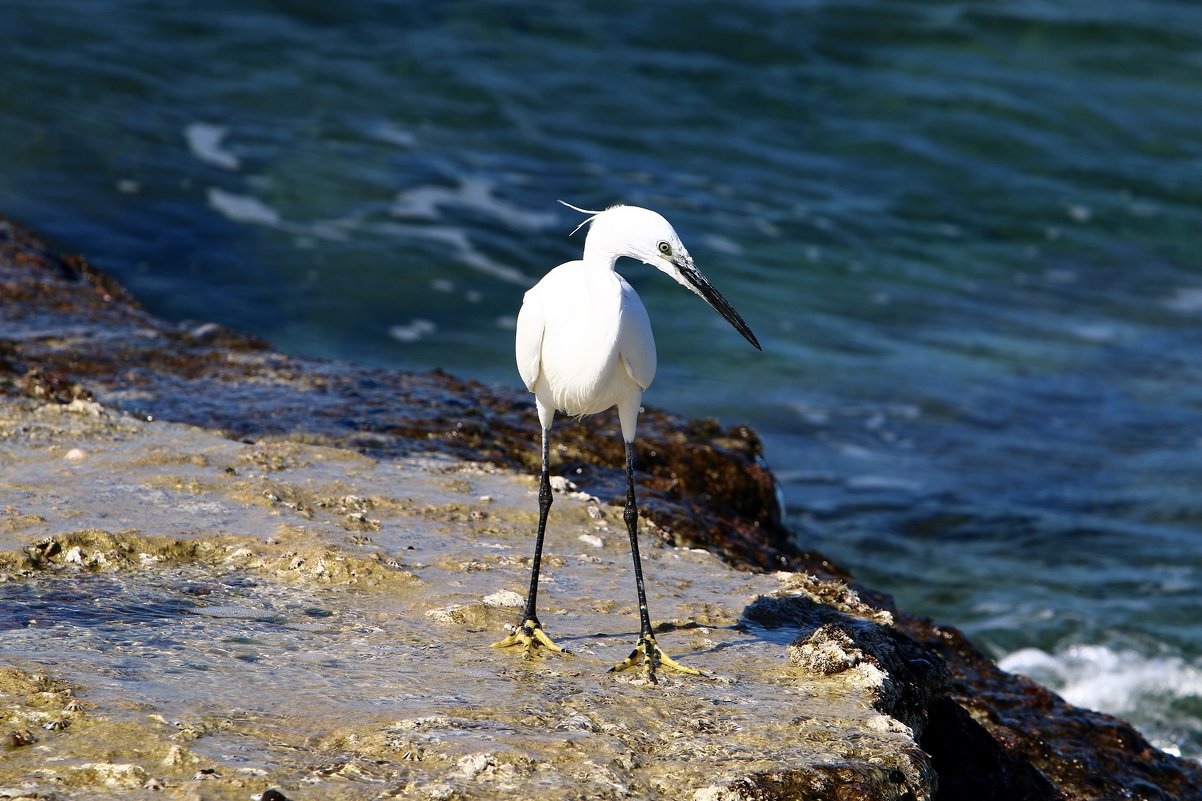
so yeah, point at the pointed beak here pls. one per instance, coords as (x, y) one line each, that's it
(692, 278)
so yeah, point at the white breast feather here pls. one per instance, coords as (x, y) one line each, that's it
(594, 348)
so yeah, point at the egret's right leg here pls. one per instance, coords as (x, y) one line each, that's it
(647, 652)
(529, 633)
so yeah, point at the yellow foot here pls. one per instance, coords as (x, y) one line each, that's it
(530, 636)
(648, 654)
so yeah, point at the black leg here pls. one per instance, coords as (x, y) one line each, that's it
(529, 633)
(646, 652)
(631, 515)
(544, 506)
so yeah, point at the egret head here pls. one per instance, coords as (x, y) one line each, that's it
(645, 235)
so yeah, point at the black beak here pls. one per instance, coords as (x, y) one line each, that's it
(695, 281)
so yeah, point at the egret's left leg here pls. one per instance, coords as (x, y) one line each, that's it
(646, 652)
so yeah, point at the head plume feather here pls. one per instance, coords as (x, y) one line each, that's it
(592, 216)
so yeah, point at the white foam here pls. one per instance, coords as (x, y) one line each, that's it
(856, 451)
(871, 482)
(462, 247)
(1097, 677)
(1094, 332)
(1126, 683)
(426, 202)
(416, 330)
(204, 140)
(392, 134)
(1187, 300)
(242, 208)
(814, 415)
(1079, 212)
(1060, 276)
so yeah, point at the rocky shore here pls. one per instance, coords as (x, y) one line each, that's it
(227, 572)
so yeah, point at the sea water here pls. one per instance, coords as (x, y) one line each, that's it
(967, 233)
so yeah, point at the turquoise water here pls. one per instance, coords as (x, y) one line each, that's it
(967, 234)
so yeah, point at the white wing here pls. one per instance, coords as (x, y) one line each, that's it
(636, 344)
(529, 343)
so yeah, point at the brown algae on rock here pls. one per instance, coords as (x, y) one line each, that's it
(230, 630)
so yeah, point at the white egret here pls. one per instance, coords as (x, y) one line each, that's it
(584, 344)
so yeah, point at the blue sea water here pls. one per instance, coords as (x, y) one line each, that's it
(967, 233)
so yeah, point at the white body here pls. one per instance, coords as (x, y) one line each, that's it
(584, 343)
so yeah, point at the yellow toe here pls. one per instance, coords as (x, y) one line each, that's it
(648, 654)
(531, 637)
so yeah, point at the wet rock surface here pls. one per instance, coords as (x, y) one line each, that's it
(182, 610)
(303, 606)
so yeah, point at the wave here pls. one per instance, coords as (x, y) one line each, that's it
(242, 208)
(427, 202)
(204, 141)
(1159, 694)
(416, 330)
(464, 251)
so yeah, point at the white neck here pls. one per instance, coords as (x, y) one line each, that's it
(602, 252)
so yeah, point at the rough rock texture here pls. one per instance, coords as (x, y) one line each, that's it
(213, 616)
(70, 336)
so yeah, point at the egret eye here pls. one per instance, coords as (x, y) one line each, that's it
(665, 248)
